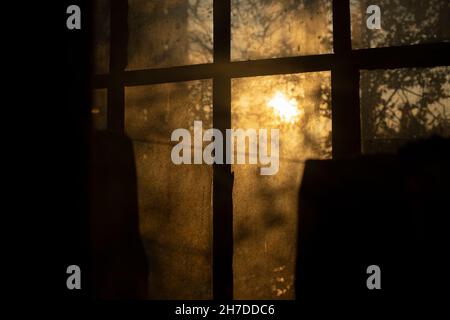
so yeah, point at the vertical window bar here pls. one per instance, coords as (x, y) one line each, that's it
(346, 133)
(223, 178)
(118, 62)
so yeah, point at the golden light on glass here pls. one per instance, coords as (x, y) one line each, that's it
(286, 109)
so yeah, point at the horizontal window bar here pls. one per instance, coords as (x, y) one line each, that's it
(422, 55)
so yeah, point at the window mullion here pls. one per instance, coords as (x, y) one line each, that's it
(346, 133)
(223, 178)
(118, 62)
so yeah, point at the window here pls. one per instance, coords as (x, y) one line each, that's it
(223, 231)
(264, 207)
(173, 200)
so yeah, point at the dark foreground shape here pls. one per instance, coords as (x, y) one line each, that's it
(389, 211)
(118, 260)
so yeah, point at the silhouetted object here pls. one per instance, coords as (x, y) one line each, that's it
(385, 210)
(119, 265)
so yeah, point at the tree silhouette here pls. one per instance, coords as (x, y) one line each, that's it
(402, 104)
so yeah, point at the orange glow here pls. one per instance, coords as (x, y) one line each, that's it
(286, 109)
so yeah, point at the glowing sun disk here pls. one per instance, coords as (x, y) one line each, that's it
(285, 108)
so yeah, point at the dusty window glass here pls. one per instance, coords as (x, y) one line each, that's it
(403, 22)
(175, 201)
(271, 29)
(265, 207)
(169, 33)
(403, 104)
(99, 108)
(101, 36)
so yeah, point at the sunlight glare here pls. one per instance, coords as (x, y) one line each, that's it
(286, 109)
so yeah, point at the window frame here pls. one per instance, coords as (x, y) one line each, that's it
(344, 64)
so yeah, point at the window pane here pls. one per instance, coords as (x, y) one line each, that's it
(403, 104)
(169, 33)
(265, 207)
(98, 110)
(403, 22)
(101, 36)
(271, 29)
(175, 206)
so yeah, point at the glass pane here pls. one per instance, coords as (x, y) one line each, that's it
(101, 36)
(175, 201)
(403, 104)
(169, 33)
(271, 29)
(98, 110)
(265, 206)
(403, 22)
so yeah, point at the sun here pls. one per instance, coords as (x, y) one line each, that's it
(286, 109)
